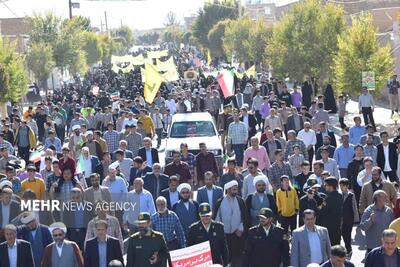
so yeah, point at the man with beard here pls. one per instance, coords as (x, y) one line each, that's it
(231, 211)
(146, 247)
(263, 236)
(62, 252)
(185, 208)
(332, 210)
(37, 234)
(209, 230)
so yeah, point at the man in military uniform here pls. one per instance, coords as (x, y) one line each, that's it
(146, 247)
(209, 230)
(266, 244)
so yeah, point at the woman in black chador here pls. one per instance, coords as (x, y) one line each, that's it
(329, 100)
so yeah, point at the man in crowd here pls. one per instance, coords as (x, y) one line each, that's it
(207, 229)
(209, 193)
(205, 161)
(185, 208)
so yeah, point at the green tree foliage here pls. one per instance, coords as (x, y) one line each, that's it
(209, 15)
(108, 47)
(359, 51)
(173, 34)
(237, 39)
(13, 76)
(305, 41)
(247, 40)
(92, 47)
(40, 61)
(215, 37)
(124, 38)
(171, 19)
(45, 28)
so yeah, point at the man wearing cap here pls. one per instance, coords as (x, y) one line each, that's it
(331, 213)
(231, 211)
(261, 198)
(34, 183)
(38, 235)
(207, 229)
(15, 252)
(266, 244)
(62, 252)
(312, 198)
(147, 247)
(186, 208)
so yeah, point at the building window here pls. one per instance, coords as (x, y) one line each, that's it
(267, 10)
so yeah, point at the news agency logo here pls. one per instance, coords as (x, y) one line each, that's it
(57, 205)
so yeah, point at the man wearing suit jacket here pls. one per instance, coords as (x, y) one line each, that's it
(323, 131)
(10, 206)
(77, 217)
(387, 157)
(103, 248)
(237, 99)
(89, 164)
(295, 121)
(209, 193)
(250, 121)
(148, 153)
(171, 193)
(36, 234)
(310, 243)
(96, 192)
(20, 250)
(155, 181)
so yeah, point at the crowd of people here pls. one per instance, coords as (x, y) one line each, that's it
(287, 196)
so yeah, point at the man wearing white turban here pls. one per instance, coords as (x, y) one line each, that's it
(61, 253)
(231, 211)
(261, 198)
(186, 208)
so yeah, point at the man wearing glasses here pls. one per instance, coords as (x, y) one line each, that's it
(61, 253)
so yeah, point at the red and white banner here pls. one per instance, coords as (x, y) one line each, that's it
(194, 256)
(225, 81)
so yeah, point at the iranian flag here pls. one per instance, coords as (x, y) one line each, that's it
(225, 81)
(114, 96)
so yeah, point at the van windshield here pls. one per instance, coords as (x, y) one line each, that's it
(185, 129)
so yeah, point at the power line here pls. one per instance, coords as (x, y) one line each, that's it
(9, 9)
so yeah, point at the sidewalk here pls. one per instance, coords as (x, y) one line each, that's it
(382, 116)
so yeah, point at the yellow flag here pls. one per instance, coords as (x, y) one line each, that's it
(209, 57)
(153, 82)
(251, 71)
(167, 65)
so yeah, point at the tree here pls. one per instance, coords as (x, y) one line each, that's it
(209, 15)
(237, 39)
(40, 61)
(124, 36)
(67, 51)
(45, 28)
(305, 41)
(359, 51)
(260, 36)
(13, 76)
(171, 20)
(148, 38)
(215, 37)
(108, 47)
(173, 34)
(92, 47)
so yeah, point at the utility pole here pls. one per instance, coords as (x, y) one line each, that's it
(105, 21)
(101, 24)
(70, 8)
